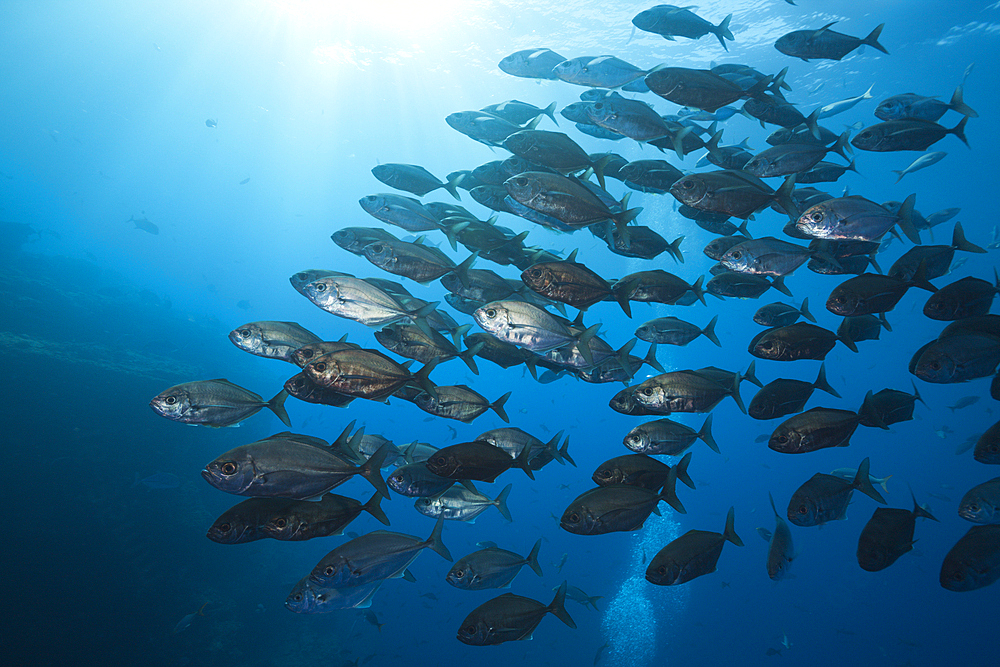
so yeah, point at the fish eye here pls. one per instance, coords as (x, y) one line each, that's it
(647, 391)
(225, 527)
(767, 345)
(320, 287)
(782, 439)
(245, 333)
(170, 400)
(605, 474)
(329, 570)
(866, 134)
(470, 630)
(370, 198)
(228, 468)
(736, 254)
(321, 366)
(520, 181)
(687, 185)
(376, 247)
(491, 313)
(803, 509)
(574, 517)
(993, 449)
(817, 216)
(973, 507)
(460, 573)
(306, 354)
(958, 576)
(397, 477)
(535, 273)
(297, 597)
(280, 523)
(439, 460)
(840, 299)
(935, 365)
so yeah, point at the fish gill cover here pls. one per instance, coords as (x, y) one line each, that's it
(499, 226)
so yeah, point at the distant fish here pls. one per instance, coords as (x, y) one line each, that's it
(835, 108)
(963, 402)
(185, 622)
(144, 224)
(245, 181)
(211, 123)
(925, 160)
(160, 480)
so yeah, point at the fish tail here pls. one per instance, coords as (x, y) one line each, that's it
(451, 185)
(277, 406)
(651, 360)
(462, 270)
(921, 510)
(674, 249)
(723, 33)
(422, 378)
(372, 469)
(773, 508)
(784, 198)
(822, 384)
(419, 317)
(916, 394)
(469, 357)
(501, 503)
(884, 483)
(373, 507)
(730, 532)
(804, 311)
(682, 473)
(669, 492)
(905, 216)
(878, 270)
(709, 331)
(959, 242)
(706, 436)
(434, 541)
(521, 460)
(735, 392)
(622, 355)
(344, 436)
(558, 607)
(712, 145)
(899, 174)
(750, 374)
(872, 39)
(779, 79)
(863, 483)
(959, 130)
(744, 230)
(919, 278)
(583, 342)
(868, 411)
(458, 333)
(698, 290)
(592, 601)
(564, 452)
(552, 448)
(201, 610)
(843, 142)
(959, 105)
(812, 122)
(451, 232)
(550, 111)
(497, 407)
(848, 342)
(533, 558)
(598, 168)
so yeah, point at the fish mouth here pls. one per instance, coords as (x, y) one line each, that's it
(207, 474)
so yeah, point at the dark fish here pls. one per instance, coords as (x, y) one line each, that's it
(957, 358)
(354, 239)
(988, 446)
(554, 150)
(415, 261)
(814, 429)
(308, 598)
(272, 340)
(825, 172)
(888, 535)
(857, 328)
(669, 21)
(299, 520)
(718, 247)
(640, 470)
(981, 503)
(655, 286)
(734, 193)
(796, 341)
(304, 389)
(871, 293)
(666, 437)
(460, 402)
(405, 212)
(936, 258)
(567, 281)
(412, 342)
(673, 331)
(782, 315)
(531, 63)
(501, 353)
(642, 242)
(214, 403)
(365, 374)
(302, 356)
(476, 460)
(491, 568)
(966, 297)
(373, 557)
(780, 552)
(245, 181)
(244, 521)
(519, 113)
(699, 88)
(691, 555)
(631, 118)
(144, 224)
(767, 256)
(510, 618)
(825, 498)
(906, 135)
(787, 159)
(414, 480)
(685, 391)
(287, 465)
(514, 441)
(887, 407)
(918, 107)
(567, 200)
(974, 561)
(654, 176)
(621, 507)
(412, 178)
(825, 44)
(784, 396)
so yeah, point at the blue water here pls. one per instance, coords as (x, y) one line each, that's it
(103, 118)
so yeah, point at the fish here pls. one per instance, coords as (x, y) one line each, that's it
(245, 181)
(855, 218)
(373, 557)
(685, 391)
(963, 402)
(655, 286)
(414, 480)
(825, 44)
(957, 358)
(871, 293)
(786, 396)
(514, 441)
(598, 72)
(669, 438)
(567, 281)
(577, 595)
(887, 407)
(780, 552)
(416, 261)
(966, 297)
(801, 340)
(476, 460)
(888, 535)
(767, 256)
(922, 162)
(405, 212)
(460, 402)
(272, 340)
(974, 561)
(857, 328)
(744, 285)
(491, 568)
(510, 618)
(531, 63)
(732, 192)
(361, 301)
(518, 112)
(673, 331)
(987, 448)
(355, 239)
(825, 498)
(669, 21)
(308, 598)
(906, 135)
(790, 158)
(699, 88)
(693, 554)
(463, 503)
(366, 374)
(917, 107)
(814, 429)
(835, 108)
(848, 474)
(412, 178)
(215, 403)
(412, 342)
(186, 621)
(620, 507)
(486, 128)
(640, 470)
(300, 520)
(981, 503)
(304, 389)
(211, 122)
(530, 327)
(144, 224)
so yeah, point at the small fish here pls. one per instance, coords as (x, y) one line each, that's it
(925, 160)
(964, 402)
(245, 181)
(211, 122)
(185, 622)
(144, 224)
(835, 108)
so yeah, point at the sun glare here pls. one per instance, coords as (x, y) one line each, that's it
(397, 17)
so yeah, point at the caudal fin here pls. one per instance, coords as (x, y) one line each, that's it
(723, 33)
(497, 407)
(564, 452)
(959, 105)
(872, 39)
(730, 532)
(669, 491)
(706, 436)
(372, 470)
(452, 185)
(277, 406)
(709, 331)
(373, 507)
(804, 311)
(959, 242)
(750, 375)
(558, 607)
(501, 502)
(863, 483)
(435, 543)
(821, 382)
(682, 473)
(533, 558)
(959, 131)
